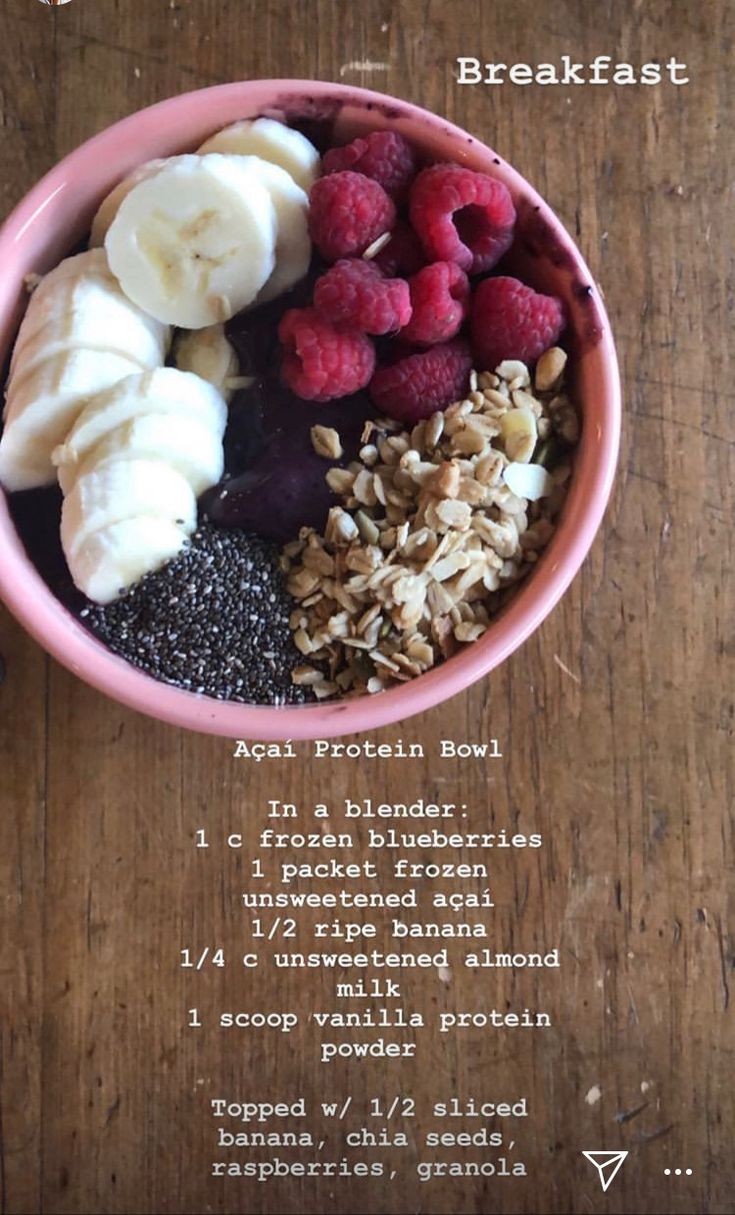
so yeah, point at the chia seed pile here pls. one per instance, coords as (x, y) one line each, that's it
(213, 620)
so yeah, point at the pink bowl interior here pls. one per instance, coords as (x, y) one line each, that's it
(56, 214)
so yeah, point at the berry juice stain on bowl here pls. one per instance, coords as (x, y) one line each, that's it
(318, 428)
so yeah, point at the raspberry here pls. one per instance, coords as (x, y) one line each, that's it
(508, 320)
(440, 298)
(347, 212)
(323, 361)
(383, 155)
(462, 216)
(354, 292)
(403, 253)
(420, 384)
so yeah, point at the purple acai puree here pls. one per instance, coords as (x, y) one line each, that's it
(36, 514)
(274, 482)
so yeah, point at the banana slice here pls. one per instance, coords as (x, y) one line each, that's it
(195, 243)
(175, 394)
(42, 407)
(193, 449)
(272, 141)
(110, 205)
(115, 558)
(92, 260)
(124, 489)
(293, 243)
(207, 353)
(84, 308)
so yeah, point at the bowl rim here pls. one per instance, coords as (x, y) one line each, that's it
(34, 605)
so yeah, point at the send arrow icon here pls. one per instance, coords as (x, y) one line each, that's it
(607, 1165)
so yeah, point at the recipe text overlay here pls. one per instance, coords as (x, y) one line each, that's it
(371, 902)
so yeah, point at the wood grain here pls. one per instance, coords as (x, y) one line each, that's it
(616, 718)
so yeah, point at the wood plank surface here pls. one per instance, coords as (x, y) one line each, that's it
(615, 719)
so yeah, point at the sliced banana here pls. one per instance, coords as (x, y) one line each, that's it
(193, 449)
(207, 353)
(124, 489)
(85, 309)
(195, 243)
(293, 243)
(132, 468)
(274, 142)
(167, 391)
(92, 260)
(113, 559)
(43, 406)
(110, 205)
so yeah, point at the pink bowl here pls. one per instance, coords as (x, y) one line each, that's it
(56, 214)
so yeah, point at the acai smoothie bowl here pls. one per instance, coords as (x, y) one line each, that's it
(311, 410)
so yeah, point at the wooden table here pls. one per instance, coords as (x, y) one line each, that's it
(615, 719)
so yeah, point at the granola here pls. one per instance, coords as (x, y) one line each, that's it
(435, 527)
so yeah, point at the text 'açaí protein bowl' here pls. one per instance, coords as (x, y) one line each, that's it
(311, 410)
